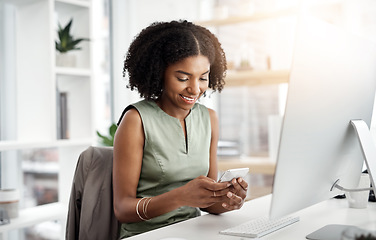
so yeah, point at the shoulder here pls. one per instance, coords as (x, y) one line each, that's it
(200, 108)
(130, 128)
(129, 131)
(135, 110)
(143, 104)
(132, 114)
(204, 109)
(210, 113)
(213, 116)
(130, 118)
(146, 108)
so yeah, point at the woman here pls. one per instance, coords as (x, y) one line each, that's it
(165, 164)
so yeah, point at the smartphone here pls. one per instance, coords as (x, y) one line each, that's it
(230, 174)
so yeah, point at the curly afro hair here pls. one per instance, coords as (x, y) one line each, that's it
(165, 43)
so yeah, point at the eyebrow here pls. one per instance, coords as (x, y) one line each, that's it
(189, 74)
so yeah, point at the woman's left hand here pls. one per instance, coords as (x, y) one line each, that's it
(236, 195)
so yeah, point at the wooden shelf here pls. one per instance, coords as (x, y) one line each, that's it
(251, 78)
(31, 216)
(292, 11)
(261, 165)
(251, 18)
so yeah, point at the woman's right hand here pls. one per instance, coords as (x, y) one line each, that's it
(203, 192)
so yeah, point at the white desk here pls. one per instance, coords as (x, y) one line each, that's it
(333, 211)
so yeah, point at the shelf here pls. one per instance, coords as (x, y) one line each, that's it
(264, 15)
(250, 18)
(36, 92)
(261, 165)
(79, 3)
(19, 2)
(81, 72)
(251, 78)
(19, 145)
(34, 167)
(31, 216)
(74, 142)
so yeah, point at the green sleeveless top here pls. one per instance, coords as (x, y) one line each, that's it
(170, 159)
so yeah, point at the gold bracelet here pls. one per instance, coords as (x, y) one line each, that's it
(143, 206)
(139, 215)
(146, 208)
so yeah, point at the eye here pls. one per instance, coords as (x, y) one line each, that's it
(182, 79)
(204, 77)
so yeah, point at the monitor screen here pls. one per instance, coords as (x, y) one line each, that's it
(332, 81)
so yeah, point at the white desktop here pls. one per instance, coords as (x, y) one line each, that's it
(332, 82)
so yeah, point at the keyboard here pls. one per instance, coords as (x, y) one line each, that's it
(259, 227)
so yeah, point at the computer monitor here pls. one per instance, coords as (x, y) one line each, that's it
(332, 81)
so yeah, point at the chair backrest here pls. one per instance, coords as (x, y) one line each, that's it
(90, 212)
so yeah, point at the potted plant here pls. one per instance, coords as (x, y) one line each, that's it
(65, 44)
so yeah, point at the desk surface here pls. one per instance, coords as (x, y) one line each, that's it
(333, 211)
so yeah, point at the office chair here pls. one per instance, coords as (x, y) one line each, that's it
(90, 211)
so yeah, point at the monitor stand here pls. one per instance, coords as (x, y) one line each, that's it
(368, 148)
(329, 232)
(369, 152)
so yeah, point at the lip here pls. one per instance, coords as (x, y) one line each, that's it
(188, 100)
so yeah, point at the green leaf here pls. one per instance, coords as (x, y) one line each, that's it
(113, 129)
(108, 140)
(66, 42)
(100, 135)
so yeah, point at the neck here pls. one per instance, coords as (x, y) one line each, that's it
(180, 114)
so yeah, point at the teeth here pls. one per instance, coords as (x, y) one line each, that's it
(188, 98)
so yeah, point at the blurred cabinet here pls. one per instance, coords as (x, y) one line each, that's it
(44, 105)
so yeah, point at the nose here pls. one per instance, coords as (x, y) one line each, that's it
(194, 87)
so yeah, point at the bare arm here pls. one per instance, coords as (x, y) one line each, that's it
(128, 145)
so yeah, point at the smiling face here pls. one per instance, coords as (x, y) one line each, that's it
(184, 83)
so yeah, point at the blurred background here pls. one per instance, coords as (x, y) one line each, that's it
(54, 102)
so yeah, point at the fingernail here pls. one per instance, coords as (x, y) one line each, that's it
(228, 184)
(240, 180)
(229, 194)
